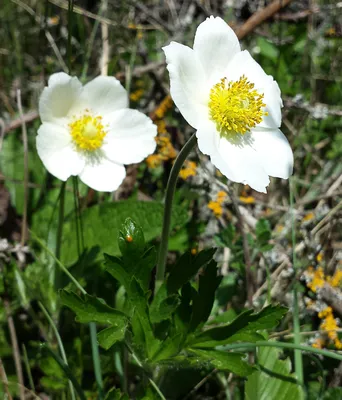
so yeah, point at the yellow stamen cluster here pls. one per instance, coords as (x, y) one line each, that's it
(216, 205)
(165, 149)
(88, 132)
(188, 169)
(235, 107)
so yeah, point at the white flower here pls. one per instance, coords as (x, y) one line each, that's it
(89, 131)
(234, 105)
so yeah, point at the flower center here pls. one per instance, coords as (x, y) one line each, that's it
(88, 132)
(235, 107)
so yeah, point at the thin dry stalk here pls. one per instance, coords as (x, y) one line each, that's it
(16, 351)
(105, 42)
(4, 380)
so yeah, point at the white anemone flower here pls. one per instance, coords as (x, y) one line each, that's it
(89, 131)
(232, 103)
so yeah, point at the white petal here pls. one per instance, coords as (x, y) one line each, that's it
(59, 97)
(130, 138)
(207, 137)
(188, 86)
(103, 95)
(274, 152)
(104, 175)
(237, 160)
(56, 151)
(244, 64)
(216, 44)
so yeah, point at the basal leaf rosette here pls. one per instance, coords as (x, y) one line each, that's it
(89, 131)
(232, 103)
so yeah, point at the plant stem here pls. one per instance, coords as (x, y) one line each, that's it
(298, 360)
(136, 359)
(92, 325)
(60, 344)
(252, 346)
(61, 266)
(28, 369)
(70, 20)
(170, 190)
(96, 359)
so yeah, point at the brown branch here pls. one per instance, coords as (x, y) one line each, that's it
(260, 16)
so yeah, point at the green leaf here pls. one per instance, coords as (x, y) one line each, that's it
(224, 361)
(243, 328)
(115, 394)
(109, 336)
(169, 348)
(131, 239)
(91, 309)
(186, 267)
(114, 267)
(274, 380)
(163, 306)
(141, 324)
(267, 49)
(103, 222)
(204, 300)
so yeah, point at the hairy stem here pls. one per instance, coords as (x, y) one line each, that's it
(170, 190)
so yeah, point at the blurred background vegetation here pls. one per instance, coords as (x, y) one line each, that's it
(299, 43)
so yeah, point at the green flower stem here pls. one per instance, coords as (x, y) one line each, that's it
(293, 346)
(60, 229)
(60, 344)
(298, 360)
(170, 190)
(92, 325)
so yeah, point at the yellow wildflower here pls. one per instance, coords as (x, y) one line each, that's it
(215, 207)
(308, 217)
(194, 251)
(279, 228)
(189, 169)
(247, 199)
(318, 280)
(153, 161)
(319, 257)
(336, 279)
(135, 96)
(163, 107)
(318, 343)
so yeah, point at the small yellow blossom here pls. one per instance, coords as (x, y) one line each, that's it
(336, 279)
(318, 343)
(318, 280)
(319, 257)
(308, 217)
(194, 251)
(216, 206)
(279, 228)
(135, 96)
(163, 107)
(189, 169)
(247, 199)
